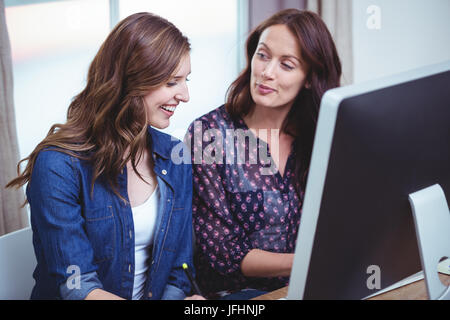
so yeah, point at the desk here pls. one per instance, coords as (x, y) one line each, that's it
(413, 291)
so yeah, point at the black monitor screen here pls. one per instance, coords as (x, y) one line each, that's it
(386, 144)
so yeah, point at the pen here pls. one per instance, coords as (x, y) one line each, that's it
(191, 279)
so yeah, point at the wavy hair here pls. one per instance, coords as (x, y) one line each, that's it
(319, 53)
(107, 122)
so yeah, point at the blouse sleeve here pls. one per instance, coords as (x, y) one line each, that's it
(219, 236)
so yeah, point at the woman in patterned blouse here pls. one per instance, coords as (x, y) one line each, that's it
(250, 157)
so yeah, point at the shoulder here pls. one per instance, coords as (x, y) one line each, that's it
(54, 158)
(54, 168)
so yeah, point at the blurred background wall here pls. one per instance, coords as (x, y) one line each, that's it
(53, 42)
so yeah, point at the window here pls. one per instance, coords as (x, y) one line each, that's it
(53, 43)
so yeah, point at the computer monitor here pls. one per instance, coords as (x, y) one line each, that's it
(375, 143)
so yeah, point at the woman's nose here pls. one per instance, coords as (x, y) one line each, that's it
(183, 94)
(268, 71)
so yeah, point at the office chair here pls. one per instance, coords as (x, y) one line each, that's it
(17, 263)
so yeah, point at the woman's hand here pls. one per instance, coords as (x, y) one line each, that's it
(195, 297)
(99, 294)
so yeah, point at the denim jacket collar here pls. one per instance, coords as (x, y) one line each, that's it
(160, 143)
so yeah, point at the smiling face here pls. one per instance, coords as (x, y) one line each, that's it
(277, 73)
(162, 102)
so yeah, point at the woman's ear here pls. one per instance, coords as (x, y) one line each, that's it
(307, 85)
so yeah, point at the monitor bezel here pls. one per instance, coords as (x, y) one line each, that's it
(323, 141)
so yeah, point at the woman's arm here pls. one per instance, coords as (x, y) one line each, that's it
(57, 221)
(260, 263)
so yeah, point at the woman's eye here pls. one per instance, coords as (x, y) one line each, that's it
(287, 66)
(174, 83)
(261, 55)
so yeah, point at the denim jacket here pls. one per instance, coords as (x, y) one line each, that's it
(84, 241)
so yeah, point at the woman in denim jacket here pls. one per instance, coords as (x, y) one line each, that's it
(110, 210)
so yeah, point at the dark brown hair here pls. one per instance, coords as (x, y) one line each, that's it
(108, 117)
(319, 53)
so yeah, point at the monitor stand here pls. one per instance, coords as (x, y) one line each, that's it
(432, 221)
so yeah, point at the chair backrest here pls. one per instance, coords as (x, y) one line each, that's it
(17, 263)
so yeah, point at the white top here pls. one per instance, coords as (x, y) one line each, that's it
(144, 217)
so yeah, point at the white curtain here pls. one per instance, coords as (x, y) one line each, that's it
(338, 17)
(259, 10)
(12, 216)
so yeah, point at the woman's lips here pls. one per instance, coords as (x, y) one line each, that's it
(262, 89)
(168, 109)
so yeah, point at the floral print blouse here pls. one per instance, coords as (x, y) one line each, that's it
(239, 204)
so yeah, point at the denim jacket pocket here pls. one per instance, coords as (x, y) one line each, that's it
(100, 229)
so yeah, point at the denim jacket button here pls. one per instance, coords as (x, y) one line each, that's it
(164, 172)
(150, 294)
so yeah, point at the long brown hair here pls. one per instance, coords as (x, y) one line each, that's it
(107, 122)
(319, 53)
